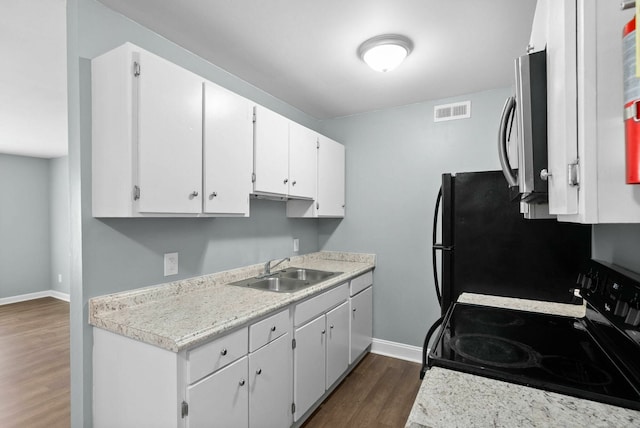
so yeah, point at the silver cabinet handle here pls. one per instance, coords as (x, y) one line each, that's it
(194, 194)
(241, 382)
(331, 326)
(294, 182)
(544, 174)
(286, 180)
(259, 371)
(273, 328)
(223, 352)
(324, 331)
(354, 309)
(213, 195)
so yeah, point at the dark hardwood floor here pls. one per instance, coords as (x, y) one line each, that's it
(34, 364)
(379, 392)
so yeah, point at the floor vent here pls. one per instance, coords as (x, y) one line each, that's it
(461, 110)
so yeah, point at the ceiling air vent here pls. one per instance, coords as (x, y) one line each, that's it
(461, 110)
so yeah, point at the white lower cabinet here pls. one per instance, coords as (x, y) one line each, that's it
(361, 323)
(220, 400)
(270, 385)
(321, 354)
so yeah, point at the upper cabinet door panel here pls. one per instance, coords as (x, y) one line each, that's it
(331, 182)
(228, 151)
(303, 161)
(271, 152)
(169, 144)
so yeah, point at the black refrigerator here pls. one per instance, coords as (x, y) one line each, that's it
(489, 248)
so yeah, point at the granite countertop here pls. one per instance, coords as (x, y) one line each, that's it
(448, 398)
(183, 314)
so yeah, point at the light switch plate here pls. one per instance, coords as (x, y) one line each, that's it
(296, 245)
(170, 264)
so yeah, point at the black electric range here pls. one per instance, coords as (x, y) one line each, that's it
(596, 357)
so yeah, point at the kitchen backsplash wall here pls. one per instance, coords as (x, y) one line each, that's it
(395, 159)
(618, 244)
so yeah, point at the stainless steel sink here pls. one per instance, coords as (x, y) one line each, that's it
(310, 275)
(287, 280)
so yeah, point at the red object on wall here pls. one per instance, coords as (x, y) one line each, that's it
(631, 103)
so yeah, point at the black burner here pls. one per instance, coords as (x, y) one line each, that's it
(493, 351)
(489, 317)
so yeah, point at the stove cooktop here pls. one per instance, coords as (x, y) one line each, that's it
(594, 357)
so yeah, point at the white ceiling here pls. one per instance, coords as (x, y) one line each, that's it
(304, 51)
(33, 78)
(301, 51)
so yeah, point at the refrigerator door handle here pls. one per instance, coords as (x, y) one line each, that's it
(442, 247)
(435, 247)
(506, 121)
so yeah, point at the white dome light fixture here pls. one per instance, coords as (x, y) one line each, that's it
(385, 52)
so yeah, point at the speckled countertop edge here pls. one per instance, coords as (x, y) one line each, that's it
(182, 314)
(448, 398)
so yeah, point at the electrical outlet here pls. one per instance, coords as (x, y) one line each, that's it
(296, 245)
(170, 264)
(60, 278)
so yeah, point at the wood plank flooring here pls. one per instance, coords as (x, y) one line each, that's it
(34, 364)
(379, 392)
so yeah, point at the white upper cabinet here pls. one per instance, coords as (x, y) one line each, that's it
(303, 165)
(271, 153)
(586, 141)
(228, 152)
(146, 135)
(331, 179)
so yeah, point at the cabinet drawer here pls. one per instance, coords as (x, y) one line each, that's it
(268, 329)
(212, 356)
(361, 282)
(319, 304)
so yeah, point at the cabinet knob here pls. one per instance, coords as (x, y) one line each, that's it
(223, 352)
(354, 309)
(259, 371)
(331, 326)
(194, 194)
(544, 174)
(213, 195)
(293, 183)
(241, 382)
(286, 180)
(324, 331)
(273, 328)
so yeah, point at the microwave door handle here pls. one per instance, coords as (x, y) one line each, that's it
(507, 116)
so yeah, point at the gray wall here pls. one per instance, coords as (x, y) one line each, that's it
(394, 161)
(59, 223)
(618, 243)
(111, 255)
(24, 225)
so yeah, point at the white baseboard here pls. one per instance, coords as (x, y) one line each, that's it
(31, 296)
(397, 350)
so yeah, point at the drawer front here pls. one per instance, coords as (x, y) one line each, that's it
(361, 282)
(311, 308)
(212, 356)
(268, 329)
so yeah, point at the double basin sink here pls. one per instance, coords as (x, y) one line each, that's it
(288, 280)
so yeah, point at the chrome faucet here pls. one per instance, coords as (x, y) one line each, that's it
(268, 267)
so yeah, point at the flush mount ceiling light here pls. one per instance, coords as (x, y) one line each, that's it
(386, 52)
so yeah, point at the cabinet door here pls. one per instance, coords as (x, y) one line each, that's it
(331, 179)
(562, 115)
(169, 131)
(271, 152)
(220, 400)
(337, 342)
(270, 385)
(228, 151)
(303, 161)
(361, 322)
(309, 365)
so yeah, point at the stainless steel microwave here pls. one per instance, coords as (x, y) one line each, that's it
(529, 107)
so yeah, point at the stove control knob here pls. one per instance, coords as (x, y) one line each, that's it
(633, 317)
(622, 309)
